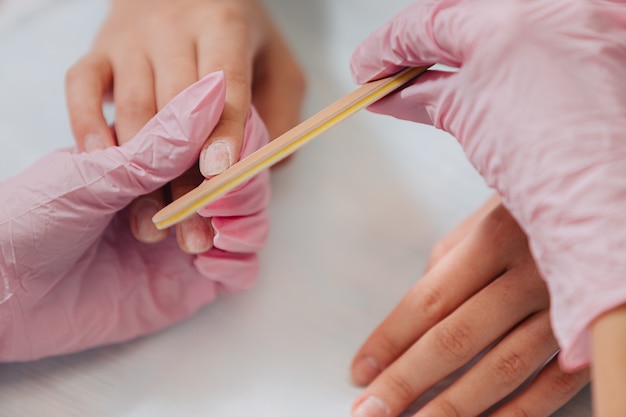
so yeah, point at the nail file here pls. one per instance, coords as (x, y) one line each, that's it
(281, 147)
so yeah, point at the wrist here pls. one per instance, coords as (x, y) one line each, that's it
(608, 339)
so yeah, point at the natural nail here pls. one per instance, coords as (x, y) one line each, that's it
(196, 235)
(216, 158)
(145, 229)
(365, 370)
(371, 407)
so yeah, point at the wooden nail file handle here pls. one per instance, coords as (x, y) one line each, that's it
(281, 147)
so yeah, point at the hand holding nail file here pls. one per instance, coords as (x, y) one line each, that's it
(281, 147)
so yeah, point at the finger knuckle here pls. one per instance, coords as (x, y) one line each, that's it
(520, 411)
(238, 76)
(134, 104)
(510, 368)
(566, 384)
(400, 387)
(447, 408)
(500, 230)
(164, 18)
(295, 78)
(389, 345)
(455, 341)
(428, 302)
(231, 13)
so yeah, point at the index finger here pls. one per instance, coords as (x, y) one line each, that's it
(234, 54)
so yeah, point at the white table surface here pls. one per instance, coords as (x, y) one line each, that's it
(354, 216)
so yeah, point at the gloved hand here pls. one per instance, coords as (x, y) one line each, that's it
(539, 106)
(73, 276)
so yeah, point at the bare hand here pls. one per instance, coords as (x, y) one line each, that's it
(481, 293)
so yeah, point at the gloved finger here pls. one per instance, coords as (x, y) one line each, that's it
(232, 271)
(247, 199)
(252, 196)
(133, 94)
(426, 32)
(121, 289)
(422, 101)
(86, 84)
(246, 234)
(502, 370)
(234, 55)
(164, 148)
(195, 234)
(548, 391)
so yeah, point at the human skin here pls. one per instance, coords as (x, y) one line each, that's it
(609, 351)
(149, 50)
(481, 288)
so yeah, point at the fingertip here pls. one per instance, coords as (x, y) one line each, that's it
(363, 70)
(364, 370)
(195, 235)
(141, 211)
(216, 157)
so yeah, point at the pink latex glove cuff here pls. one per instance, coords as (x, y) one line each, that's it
(539, 106)
(74, 277)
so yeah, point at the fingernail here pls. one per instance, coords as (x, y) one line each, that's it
(196, 235)
(365, 370)
(94, 142)
(216, 158)
(371, 407)
(145, 230)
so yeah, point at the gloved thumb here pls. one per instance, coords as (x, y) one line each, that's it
(167, 145)
(426, 32)
(426, 100)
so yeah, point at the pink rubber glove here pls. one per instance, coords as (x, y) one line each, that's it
(74, 277)
(539, 106)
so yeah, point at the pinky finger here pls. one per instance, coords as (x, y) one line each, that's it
(548, 392)
(86, 83)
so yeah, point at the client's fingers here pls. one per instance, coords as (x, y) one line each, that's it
(500, 372)
(444, 288)
(195, 234)
(141, 210)
(548, 392)
(234, 55)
